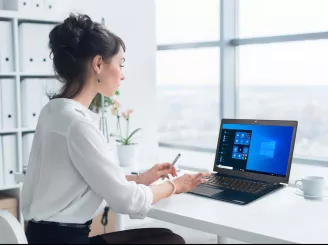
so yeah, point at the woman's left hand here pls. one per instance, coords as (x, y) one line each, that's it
(156, 172)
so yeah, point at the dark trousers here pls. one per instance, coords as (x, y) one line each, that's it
(40, 233)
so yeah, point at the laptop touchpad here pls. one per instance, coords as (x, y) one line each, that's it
(207, 191)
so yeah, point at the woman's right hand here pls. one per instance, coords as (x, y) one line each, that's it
(187, 182)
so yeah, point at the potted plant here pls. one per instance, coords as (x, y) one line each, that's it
(96, 103)
(127, 147)
(96, 106)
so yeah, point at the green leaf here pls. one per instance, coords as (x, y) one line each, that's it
(117, 136)
(135, 131)
(117, 92)
(96, 103)
(108, 101)
(123, 142)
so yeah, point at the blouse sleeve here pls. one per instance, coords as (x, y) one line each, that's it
(90, 155)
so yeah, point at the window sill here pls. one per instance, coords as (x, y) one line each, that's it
(200, 161)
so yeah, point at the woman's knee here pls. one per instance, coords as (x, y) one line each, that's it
(167, 236)
(166, 230)
(178, 239)
(173, 238)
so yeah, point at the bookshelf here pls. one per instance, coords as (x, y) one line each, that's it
(16, 18)
(18, 74)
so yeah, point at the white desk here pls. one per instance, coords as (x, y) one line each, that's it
(281, 217)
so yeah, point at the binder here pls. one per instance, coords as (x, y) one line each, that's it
(27, 47)
(44, 30)
(37, 5)
(17, 5)
(24, 5)
(27, 145)
(10, 160)
(46, 89)
(49, 86)
(8, 101)
(31, 92)
(6, 47)
(0, 104)
(2, 174)
(35, 52)
(49, 5)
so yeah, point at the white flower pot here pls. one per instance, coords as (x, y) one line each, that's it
(127, 155)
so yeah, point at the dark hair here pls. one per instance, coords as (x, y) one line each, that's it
(73, 44)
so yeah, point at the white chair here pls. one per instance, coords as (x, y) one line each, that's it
(11, 232)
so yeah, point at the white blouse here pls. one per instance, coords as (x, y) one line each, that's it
(72, 173)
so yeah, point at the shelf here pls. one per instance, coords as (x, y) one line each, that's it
(8, 75)
(16, 130)
(9, 131)
(38, 18)
(43, 17)
(10, 187)
(28, 130)
(35, 75)
(23, 133)
(19, 177)
(7, 14)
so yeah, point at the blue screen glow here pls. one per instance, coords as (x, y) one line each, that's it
(256, 148)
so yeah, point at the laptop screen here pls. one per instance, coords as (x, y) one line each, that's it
(262, 149)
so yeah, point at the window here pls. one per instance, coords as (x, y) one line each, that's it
(185, 21)
(188, 84)
(188, 93)
(283, 77)
(280, 17)
(288, 81)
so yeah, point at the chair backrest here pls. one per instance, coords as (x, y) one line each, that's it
(10, 229)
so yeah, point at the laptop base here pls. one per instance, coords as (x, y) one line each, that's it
(232, 196)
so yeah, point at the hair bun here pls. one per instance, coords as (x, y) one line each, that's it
(70, 34)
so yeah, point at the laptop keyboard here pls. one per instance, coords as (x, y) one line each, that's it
(248, 186)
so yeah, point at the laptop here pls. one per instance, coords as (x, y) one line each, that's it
(253, 158)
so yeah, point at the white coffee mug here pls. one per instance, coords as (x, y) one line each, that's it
(312, 186)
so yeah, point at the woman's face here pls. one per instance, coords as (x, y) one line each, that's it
(112, 75)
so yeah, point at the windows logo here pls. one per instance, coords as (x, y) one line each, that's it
(268, 148)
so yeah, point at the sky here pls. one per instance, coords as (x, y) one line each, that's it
(292, 63)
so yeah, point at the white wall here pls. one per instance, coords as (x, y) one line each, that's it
(134, 22)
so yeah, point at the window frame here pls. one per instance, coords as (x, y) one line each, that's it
(229, 62)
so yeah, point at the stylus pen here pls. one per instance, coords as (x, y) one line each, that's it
(173, 163)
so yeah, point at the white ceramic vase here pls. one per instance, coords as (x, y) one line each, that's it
(127, 155)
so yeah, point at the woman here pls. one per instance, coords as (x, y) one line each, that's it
(71, 173)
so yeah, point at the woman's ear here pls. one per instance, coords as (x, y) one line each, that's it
(97, 63)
